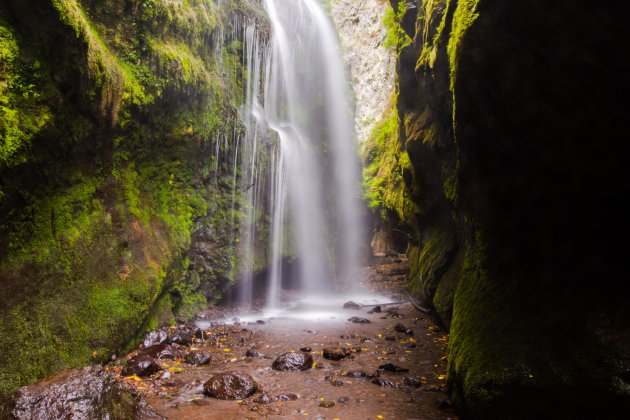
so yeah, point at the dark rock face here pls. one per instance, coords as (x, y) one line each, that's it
(141, 366)
(336, 353)
(293, 361)
(230, 386)
(87, 393)
(196, 357)
(484, 84)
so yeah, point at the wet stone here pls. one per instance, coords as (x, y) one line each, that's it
(252, 353)
(84, 393)
(293, 361)
(390, 367)
(141, 366)
(400, 328)
(357, 320)
(183, 337)
(161, 351)
(413, 382)
(230, 386)
(327, 404)
(306, 349)
(409, 346)
(351, 305)
(199, 358)
(376, 310)
(155, 337)
(287, 397)
(390, 338)
(357, 374)
(343, 399)
(260, 322)
(383, 382)
(264, 398)
(443, 404)
(336, 353)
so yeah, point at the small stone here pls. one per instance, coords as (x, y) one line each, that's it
(263, 398)
(252, 353)
(327, 404)
(142, 366)
(198, 358)
(155, 337)
(230, 386)
(293, 361)
(390, 367)
(336, 353)
(183, 337)
(390, 338)
(351, 305)
(356, 374)
(357, 320)
(383, 382)
(343, 399)
(287, 397)
(400, 328)
(409, 346)
(376, 310)
(260, 322)
(306, 349)
(161, 351)
(413, 382)
(254, 408)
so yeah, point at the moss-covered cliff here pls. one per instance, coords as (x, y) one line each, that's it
(111, 112)
(510, 116)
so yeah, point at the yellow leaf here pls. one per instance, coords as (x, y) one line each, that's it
(227, 350)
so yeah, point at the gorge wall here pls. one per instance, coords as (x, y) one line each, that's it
(117, 182)
(507, 143)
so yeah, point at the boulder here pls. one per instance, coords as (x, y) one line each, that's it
(336, 353)
(197, 357)
(161, 351)
(141, 366)
(230, 386)
(85, 393)
(293, 361)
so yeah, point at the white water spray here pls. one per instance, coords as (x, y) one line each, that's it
(302, 94)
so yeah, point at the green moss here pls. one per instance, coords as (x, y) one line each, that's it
(22, 113)
(430, 261)
(384, 187)
(464, 16)
(396, 38)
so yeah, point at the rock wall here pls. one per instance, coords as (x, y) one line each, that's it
(507, 113)
(117, 120)
(362, 33)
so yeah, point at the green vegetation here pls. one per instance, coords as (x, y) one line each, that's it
(396, 38)
(384, 186)
(104, 176)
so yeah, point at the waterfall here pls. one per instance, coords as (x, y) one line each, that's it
(298, 105)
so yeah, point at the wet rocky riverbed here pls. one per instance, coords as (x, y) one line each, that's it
(383, 360)
(371, 362)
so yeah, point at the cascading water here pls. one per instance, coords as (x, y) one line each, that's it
(297, 88)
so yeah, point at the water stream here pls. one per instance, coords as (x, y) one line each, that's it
(298, 110)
